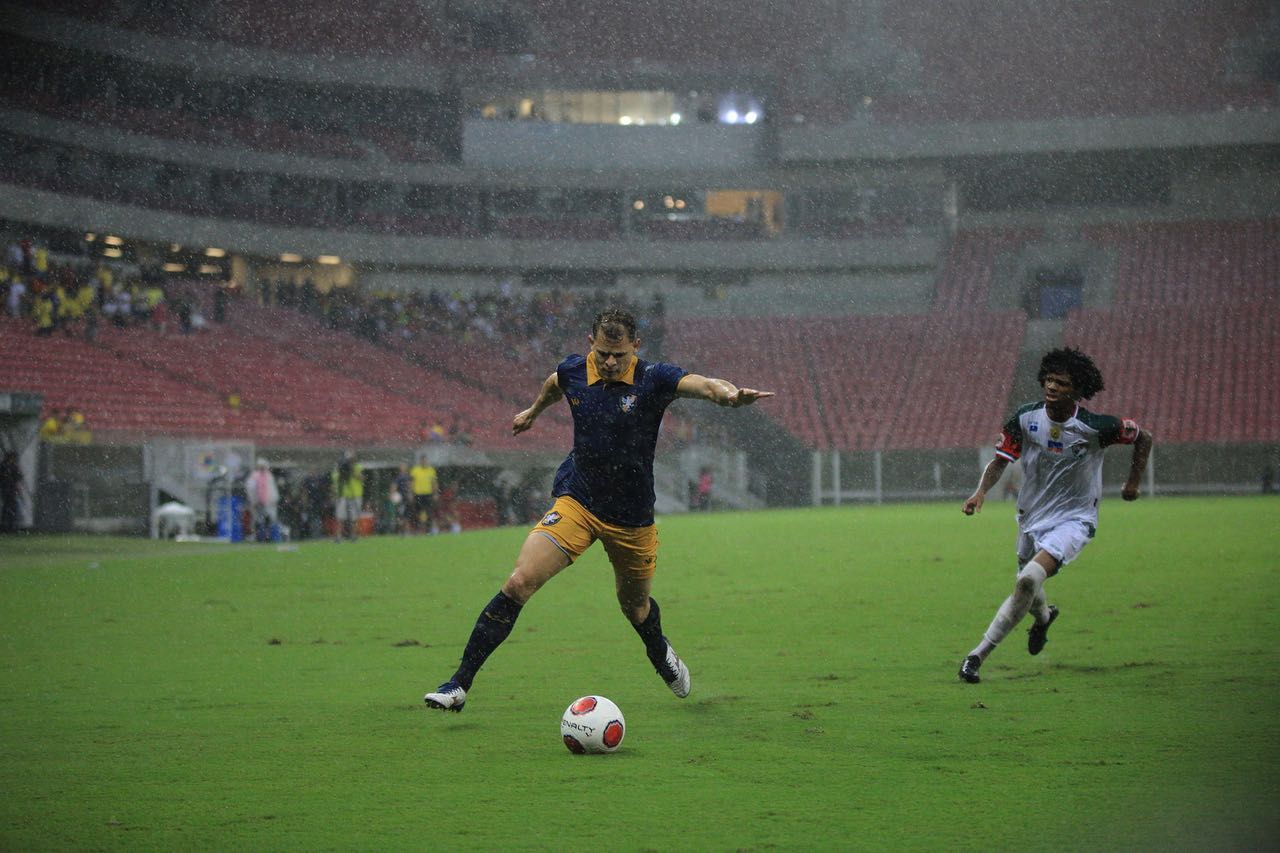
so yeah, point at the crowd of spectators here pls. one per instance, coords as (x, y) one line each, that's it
(73, 297)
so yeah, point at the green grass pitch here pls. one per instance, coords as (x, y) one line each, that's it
(164, 696)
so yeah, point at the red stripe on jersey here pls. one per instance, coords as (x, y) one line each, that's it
(1009, 447)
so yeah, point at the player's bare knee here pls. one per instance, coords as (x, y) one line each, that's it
(520, 587)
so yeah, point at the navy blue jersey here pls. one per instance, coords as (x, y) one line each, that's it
(615, 430)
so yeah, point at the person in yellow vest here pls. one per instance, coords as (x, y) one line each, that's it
(43, 312)
(424, 478)
(69, 311)
(50, 427)
(348, 492)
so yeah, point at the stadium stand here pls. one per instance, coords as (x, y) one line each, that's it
(1056, 59)
(965, 281)
(871, 383)
(1204, 376)
(1193, 262)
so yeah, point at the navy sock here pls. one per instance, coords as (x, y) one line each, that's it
(650, 630)
(494, 625)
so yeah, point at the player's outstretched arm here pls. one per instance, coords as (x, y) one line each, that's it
(718, 391)
(549, 394)
(990, 476)
(1141, 450)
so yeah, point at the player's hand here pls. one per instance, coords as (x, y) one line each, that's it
(746, 396)
(1130, 492)
(974, 503)
(523, 421)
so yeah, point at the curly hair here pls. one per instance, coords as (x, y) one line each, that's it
(614, 323)
(1084, 374)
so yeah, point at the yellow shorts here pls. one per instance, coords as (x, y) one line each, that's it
(573, 528)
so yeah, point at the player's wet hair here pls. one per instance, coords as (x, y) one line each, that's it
(1084, 374)
(614, 323)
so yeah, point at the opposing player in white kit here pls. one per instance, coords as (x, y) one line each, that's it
(1061, 447)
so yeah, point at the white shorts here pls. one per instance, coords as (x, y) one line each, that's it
(347, 509)
(1064, 541)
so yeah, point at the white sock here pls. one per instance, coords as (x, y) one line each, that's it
(1027, 589)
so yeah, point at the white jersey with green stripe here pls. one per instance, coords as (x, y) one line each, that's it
(1061, 462)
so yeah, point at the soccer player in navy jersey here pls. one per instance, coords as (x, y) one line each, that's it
(1061, 445)
(603, 490)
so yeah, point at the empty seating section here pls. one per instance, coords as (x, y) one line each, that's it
(959, 390)
(121, 397)
(769, 353)
(1193, 262)
(863, 382)
(965, 281)
(300, 385)
(1193, 330)
(479, 388)
(1190, 376)
(1062, 58)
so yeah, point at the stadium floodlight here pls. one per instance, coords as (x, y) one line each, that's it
(214, 252)
(113, 252)
(624, 120)
(675, 118)
(751, 116)
(329, 259)
(113, 240)
(290, 258)
(731, 117)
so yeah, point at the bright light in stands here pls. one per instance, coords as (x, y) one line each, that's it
(215, 252)
(730, 117)
(624, 120)
(638, 204)
(113, 252)
(112, 240)
(751, 116)
(675, 118)
(290, 258)
(90, 237)
(172, 266)
(210, 269)
(329, 259)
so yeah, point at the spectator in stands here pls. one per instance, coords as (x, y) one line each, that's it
(447, 508)
(44, 312)
(17, 298)
(504, 490)
(264, 500)
(11, 487)
(704, 489)
(425, 481)
(603, 490)
(348, 492)
(402, 499)
(316, 490)
(1061, 446)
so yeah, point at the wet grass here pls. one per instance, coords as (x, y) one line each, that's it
(239, 697)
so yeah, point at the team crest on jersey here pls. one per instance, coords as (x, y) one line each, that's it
(551, 518)
(628, 402)
(1055, 432)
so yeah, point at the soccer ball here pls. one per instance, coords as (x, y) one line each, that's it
(592, 724)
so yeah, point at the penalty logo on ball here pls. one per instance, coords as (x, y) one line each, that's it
(592, 724)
